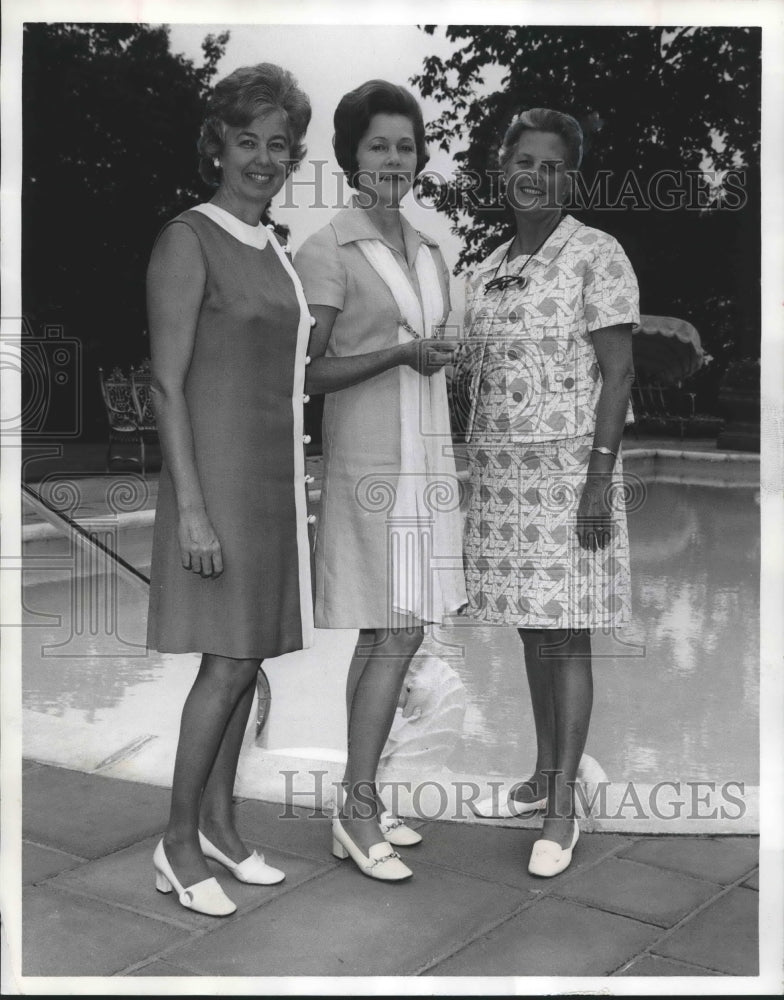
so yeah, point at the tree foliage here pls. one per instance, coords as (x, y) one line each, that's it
(653, 99)
(110, 118)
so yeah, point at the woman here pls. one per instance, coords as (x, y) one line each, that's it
(230, 568)
(550, 315)
(389, 534)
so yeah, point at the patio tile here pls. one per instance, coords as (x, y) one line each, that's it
(652, 965)
(307, 835)
(716, 859)
(345, 924)
(499, 853)
(87, 814)
(39, 863)
(752, 882)
(554, 937)
(723, 936)
(159, 968)
(126, 878)
(66, 935)
(653, 895)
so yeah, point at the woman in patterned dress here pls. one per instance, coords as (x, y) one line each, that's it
(388, 545)
(230, 574)
(549, 321)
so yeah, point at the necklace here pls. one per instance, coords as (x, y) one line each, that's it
(519, 279)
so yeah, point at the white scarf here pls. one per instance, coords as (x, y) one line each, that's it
(425, 521)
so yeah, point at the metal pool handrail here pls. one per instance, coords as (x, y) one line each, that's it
(132, 575)
(83, 537)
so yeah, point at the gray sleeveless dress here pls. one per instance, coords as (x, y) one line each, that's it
(245, 393)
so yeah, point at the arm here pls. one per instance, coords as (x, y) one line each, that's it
(613, 346)
(331, 374)
(175, 285)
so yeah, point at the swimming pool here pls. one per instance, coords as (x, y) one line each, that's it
(676, 694)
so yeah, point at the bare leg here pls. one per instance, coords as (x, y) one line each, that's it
(370, 719)
(219, 685)
(217, 813)
(540, 684)
(569, 656)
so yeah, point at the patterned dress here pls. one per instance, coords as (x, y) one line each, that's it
(535, 386)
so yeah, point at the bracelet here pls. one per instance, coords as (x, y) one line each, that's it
(604, 451)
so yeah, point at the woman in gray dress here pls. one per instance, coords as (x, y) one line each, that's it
(230, 574)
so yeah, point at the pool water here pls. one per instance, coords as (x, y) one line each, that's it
(676, 694)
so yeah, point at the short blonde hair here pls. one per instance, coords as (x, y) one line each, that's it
(244, 95)
(545, 120)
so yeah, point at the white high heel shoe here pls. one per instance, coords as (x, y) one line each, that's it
(396, 832)
(491, 808)
(549, 858)
(202, 897)
(253, 870)
(380, 862)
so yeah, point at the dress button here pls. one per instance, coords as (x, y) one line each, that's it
(311, 518)
(517, 397)
(307, 359)
(306, 438)
(312, 320)
(568, 383)
(306, 398)
(512, 355)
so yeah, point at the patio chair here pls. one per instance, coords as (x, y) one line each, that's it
(141, 390)
(128, 402)
(121, 412)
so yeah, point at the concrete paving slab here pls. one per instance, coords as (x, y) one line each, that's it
(752, 882)
(553, 937)
(303, 831)
(501, 853)
(126, 878)
(159, 968)
(716, 859)
(346, 924)
(67, 935)
(40, 863)
(652, 965)
(653, 895)
(84, 814)
(723, 936)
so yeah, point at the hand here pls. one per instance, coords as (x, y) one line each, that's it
(200, 549)
(594, 515)
(428, 356)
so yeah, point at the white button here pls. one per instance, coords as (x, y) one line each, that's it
(311, 518)
(307, 359)
(306, 438)
(306, 399)
(312, 320)
(309, 479)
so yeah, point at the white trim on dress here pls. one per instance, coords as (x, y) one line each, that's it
(252, 236)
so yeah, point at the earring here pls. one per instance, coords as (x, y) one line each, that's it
(216, 162)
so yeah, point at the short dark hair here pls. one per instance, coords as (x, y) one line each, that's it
(242, 96)
(353, 115)
(564, 126)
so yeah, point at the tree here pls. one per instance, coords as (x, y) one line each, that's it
(111, 117)
(653, 100)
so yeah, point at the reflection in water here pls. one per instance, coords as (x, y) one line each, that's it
(679, 702)
(676, 694)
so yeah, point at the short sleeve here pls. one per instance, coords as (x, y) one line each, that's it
(321, 271)
(610, 293)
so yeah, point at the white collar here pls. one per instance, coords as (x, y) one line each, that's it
(252, 236)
